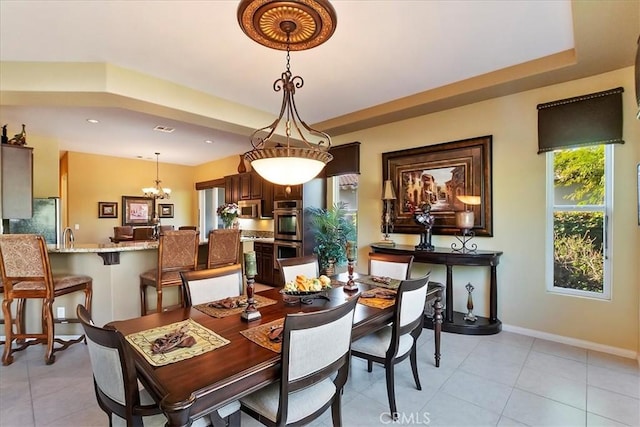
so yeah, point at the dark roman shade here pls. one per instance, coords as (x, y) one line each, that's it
(584, 120)
(346, 159)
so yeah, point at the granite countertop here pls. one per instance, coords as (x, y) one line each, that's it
(103, 247)
(256, 239)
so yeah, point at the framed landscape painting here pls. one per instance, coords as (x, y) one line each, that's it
(137, 210)
(107, 210)
(437, 174)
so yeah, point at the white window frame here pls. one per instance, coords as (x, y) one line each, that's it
(607, 232)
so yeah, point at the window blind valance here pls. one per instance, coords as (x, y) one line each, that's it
(346, 159)
(589, 119)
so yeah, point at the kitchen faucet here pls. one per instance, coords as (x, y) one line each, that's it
(67, 237)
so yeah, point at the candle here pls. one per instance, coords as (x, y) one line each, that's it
(352, 249)
(250, 267)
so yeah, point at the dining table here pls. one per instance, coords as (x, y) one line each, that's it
(190, 388)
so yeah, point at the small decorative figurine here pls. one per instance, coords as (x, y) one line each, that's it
(470, 316)
(5, 139)
(423, 216)
(19, 138)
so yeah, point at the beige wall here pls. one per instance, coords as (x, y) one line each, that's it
(92, 179)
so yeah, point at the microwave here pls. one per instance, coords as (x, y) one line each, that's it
(249, 209)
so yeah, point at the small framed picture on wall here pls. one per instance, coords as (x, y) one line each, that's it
(165, 210)
(107, 209)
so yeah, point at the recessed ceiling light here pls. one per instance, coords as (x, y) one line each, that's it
(93, 121)
(208, 141)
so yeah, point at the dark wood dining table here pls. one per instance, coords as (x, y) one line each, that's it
(193, 387)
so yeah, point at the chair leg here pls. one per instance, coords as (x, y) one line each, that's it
(20, 318)
(7, 358)
(391, 394)
(47, 318)
(336, 410)
(369, 365)
(414, 366)
(143, 299)
(159, 303)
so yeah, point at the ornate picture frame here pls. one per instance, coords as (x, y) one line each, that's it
(165, 210)
(137, 210)
(439, 173)
(107, 209)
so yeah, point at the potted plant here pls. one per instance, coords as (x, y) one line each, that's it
(331, 229)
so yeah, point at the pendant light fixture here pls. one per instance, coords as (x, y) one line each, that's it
(290, 26)
(157, 192)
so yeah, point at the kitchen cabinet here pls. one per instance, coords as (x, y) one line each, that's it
(250, 186)
(232, 188)
(264, 262)
(17, 181)
(294, 193)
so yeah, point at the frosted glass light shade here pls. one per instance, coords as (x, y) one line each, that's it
(465, 220)
(287, 170)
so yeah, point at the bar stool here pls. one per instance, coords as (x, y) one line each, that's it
(224, 247)
(26, 274)
(177, 251)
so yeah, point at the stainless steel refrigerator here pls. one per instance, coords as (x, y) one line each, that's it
(45, 220)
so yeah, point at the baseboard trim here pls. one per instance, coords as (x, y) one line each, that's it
(589, 345)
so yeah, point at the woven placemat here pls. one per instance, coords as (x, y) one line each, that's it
(224, 312)
(393, 283)
(260, 335)
(376, 302)
(206, 340)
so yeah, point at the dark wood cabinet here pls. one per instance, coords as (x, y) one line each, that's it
(264, 262)
(267, 199)
(287, 192)
(231, 188)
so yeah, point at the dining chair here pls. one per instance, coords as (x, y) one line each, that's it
(200, 286)
(164, 228)
(397, 341)
(177, 251)
(187, 227)
(143, 233)
(315, 366)
(119, 391)
(223, 247)
(26, 274)
(304, 265)
(390, 265)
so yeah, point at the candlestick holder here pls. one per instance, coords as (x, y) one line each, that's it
(351, 251)
(251, 312)
(464, 246)
(470, 316)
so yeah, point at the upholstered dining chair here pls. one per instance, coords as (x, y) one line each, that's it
(117, 387)
(200, 286)
(315, 366)
(187, 227)
(26, 274)
(177, 251)
(305, 265)
(224, 247)
(143, 233)
(397, 341)
(390, 265)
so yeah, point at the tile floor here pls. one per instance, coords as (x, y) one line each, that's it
(500, 380)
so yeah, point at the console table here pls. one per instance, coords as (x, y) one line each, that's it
(454, 321)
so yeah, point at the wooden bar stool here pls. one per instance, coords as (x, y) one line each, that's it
(224, 247)
(26, 274)
(177, 251)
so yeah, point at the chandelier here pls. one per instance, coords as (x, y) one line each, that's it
(157, 192)
(288, 25)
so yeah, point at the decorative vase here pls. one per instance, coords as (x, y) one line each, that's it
(242, 168)
(330, 269)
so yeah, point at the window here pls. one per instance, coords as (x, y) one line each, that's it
(579, 189)
(345, 189)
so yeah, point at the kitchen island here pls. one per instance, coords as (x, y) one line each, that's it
(115, 269)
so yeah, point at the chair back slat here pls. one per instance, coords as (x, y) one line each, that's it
(213, 284)
(390, 265)
(292, 267)
(178, 250)
(224, 247)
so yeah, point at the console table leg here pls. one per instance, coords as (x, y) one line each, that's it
(493, 295)
(437, 325)
(449, 296)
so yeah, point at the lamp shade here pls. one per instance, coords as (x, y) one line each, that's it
(470, 200)
(388, 193)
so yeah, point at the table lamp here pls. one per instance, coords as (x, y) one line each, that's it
(388, 194)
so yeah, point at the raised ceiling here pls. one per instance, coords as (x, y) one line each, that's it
(134, 65)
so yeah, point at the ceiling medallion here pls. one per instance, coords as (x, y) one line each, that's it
(314, 22)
